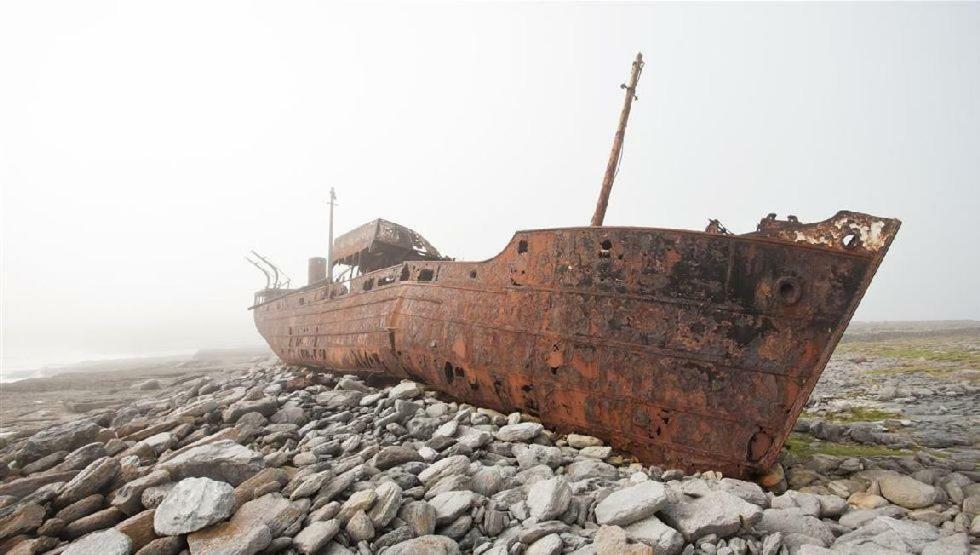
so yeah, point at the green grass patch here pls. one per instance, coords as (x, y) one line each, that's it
(863, 414)
(805, 445)
(921, 350)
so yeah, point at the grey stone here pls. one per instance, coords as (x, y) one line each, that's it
(580, 441)
(548, 545)
(395, 455)
(429, 545)
(358, 501)
(662, 538)
(386, 507)
(57, 438)
(315, 536)
(596, 452)
(311, 484)
(405, 390)
(794, 521)
(907, 492)
(748, 491)
(359, 527)
(419, 516)
(222, 460)
(548, 499)
(631, 504)
(538, 530)
(338, 399)
(289, 414)
(525, 431)
(106, 542)
(612, 540)
(457, 464)
(715, 513)
(265, 406)
(93, 478)
(889, 533)
(129, 497)
(955, 544)
(590, 468)
(450, 505)
(192, 504)
(532, 455)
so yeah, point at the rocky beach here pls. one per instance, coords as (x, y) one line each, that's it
(244, 455)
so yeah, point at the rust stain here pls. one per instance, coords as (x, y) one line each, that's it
(695, 350)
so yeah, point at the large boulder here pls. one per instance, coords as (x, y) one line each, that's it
(717, 512)
(192, 504)
(907, 491)
(631, 504)
(224, 461)
(548, 499)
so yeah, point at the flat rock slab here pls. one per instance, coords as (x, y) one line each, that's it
(631, 504)
(310, 539)
(106, 542)
(223, 460)
(715, 513)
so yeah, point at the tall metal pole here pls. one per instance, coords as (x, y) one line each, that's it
(333, 198)
(617, 148)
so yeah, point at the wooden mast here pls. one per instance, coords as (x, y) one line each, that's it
(617, 148)
(332, 203)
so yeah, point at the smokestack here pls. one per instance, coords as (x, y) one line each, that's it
(317, 269)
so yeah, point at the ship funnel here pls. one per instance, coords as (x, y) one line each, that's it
(317, 270)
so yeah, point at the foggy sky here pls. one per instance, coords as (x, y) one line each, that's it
(145, 147)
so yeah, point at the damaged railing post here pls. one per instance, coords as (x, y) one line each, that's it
(617, 148)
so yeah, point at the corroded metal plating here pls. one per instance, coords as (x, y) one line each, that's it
(690, 349)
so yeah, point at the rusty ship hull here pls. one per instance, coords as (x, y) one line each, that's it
(693, 350)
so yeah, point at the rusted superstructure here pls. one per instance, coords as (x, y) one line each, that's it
(690, 349)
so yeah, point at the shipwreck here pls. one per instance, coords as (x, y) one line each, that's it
(691, 349)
